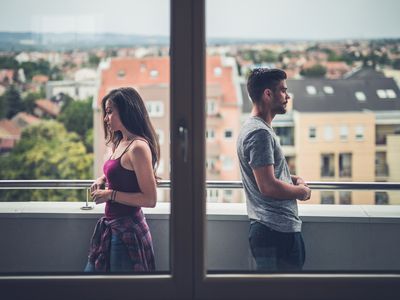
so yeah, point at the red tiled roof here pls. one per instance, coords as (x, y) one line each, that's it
(48, 106)
(137, 72)
(7, 126)
(6, 73)
(40, 79)
(24, 119)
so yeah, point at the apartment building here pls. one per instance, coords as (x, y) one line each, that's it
(151, 77)
(343, 130)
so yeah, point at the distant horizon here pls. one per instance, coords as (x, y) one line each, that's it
(207, 38)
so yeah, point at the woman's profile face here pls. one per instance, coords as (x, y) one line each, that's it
(111, 117)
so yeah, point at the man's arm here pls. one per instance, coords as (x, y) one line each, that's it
(298, 180)
(272, 187)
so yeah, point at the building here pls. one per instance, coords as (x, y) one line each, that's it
(342, 130)
(151, 77)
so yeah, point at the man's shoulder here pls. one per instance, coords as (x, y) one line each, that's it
(252, 127)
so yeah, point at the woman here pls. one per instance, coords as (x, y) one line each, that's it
(121, 241)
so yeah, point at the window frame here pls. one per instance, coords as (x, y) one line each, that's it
(189, 278)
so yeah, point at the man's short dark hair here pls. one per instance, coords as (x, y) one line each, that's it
(261, 79)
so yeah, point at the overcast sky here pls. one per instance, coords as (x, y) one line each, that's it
(277, 19)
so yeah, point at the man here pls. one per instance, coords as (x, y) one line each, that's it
(275, 228)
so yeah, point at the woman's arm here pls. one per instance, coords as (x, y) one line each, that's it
(141, 162)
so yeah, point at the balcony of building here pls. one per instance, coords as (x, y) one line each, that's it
(35, 235)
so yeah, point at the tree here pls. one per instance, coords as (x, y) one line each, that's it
(46, 151)
(314, 71)
(396, 64)
(77, 116)
(8, 62)
(94, 60)
(12, 102)
(29, 101)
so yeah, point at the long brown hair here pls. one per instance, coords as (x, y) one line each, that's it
(134, 117)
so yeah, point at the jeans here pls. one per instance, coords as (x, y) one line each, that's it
(119, 257)
(276, 251)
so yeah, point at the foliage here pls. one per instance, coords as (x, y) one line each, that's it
(29, 101)
(77, 116)
(314, 71)
(94, 60)
(35, 68)
(396, 64)
(259, 57)
(8, 62)
(12, 102)
(46, 151)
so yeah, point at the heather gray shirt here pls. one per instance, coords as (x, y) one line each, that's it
(258, 146)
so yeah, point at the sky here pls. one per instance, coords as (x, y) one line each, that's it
(264, 19)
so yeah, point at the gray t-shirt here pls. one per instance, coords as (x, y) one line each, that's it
(258, 146)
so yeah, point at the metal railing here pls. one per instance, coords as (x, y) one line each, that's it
(214, 184)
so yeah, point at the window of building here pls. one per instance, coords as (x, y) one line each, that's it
(228, 134)
(160, 135)
(360, 96)
(212, 195)
(345, 165)
(391, 94)
(359, 133)
(154, 73)
(327, 197)
(311, 90)
(212, 107)
(218, 71)
(381, 198)
(381, 94)
(210, 134)
(328, 133)
(312, 133)
(345, 197)
(121, 74)
(286, 135)
(155, 108)
(160, 169)
(211, 164)
(327, 165)
(228, 195)
(227, 163)
(328, 90)
(344, 132)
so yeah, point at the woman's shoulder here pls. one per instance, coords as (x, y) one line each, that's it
(139, 146)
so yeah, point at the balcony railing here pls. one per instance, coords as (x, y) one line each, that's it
(84, 184)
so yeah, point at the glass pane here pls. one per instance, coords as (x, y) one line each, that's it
(57, 62)
(340, 124)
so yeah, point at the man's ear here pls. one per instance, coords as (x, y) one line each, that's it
(268, 93)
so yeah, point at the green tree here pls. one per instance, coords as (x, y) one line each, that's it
(3, 111)
(396, 64)
(314, 71)
(46, 151)
(12, 102)
(94, 60)
(8, 62)
(29, 101)
(77, 116)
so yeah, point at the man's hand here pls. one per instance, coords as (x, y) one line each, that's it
(305, 192)
(298, 180)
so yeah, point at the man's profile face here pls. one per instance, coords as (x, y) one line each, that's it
(280, 98)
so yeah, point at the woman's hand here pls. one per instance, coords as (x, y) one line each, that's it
(99, 183)
(100, 196)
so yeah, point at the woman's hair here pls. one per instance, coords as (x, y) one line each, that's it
(134, 117)
(261, 79)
